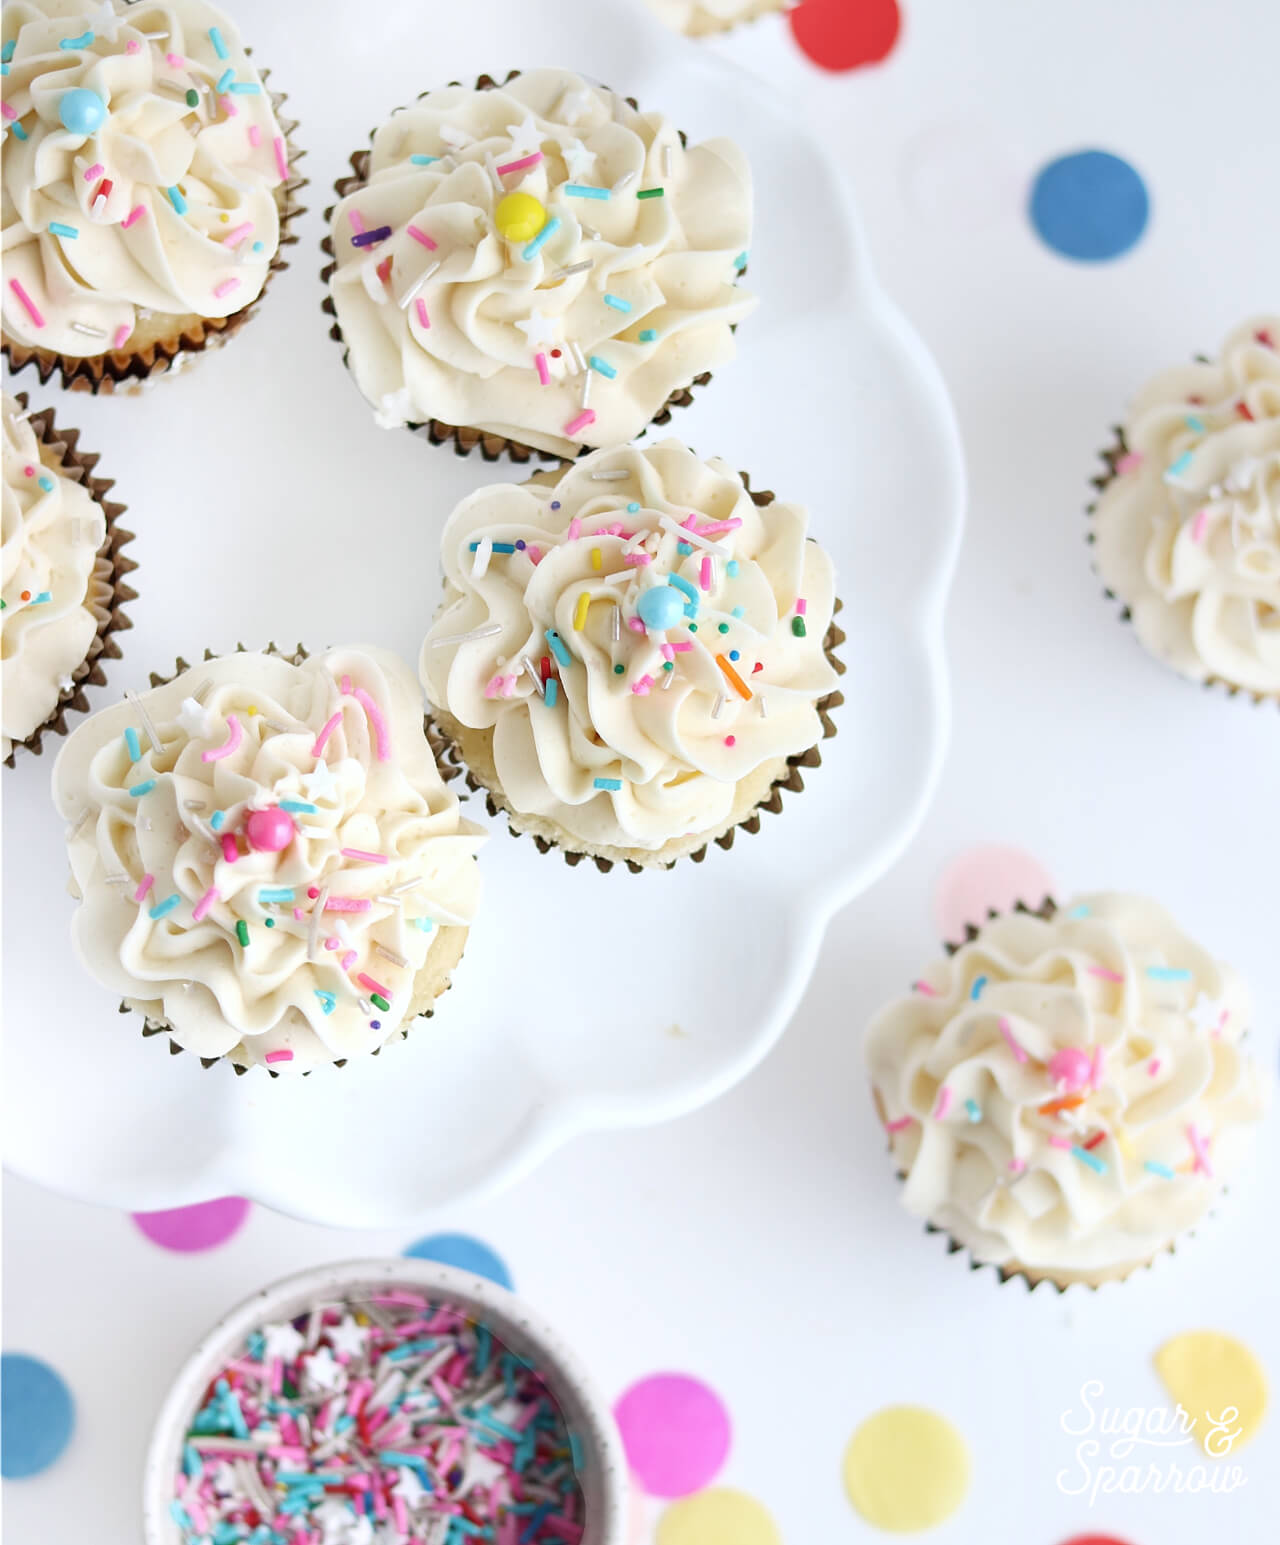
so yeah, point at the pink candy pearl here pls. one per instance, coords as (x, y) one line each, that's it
(269, 830)
(1071, 1067)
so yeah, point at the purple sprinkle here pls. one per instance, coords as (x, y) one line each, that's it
(520, 547)
(368, 238)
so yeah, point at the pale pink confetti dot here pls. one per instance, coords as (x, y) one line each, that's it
(187, 1230)
(1129, 462)
(676, 1433)
(986, 878)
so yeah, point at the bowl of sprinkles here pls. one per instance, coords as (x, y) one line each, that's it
(394, 1402)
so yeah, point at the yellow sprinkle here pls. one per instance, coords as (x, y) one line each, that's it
(251, 711)
(580, 613)
(224, 218)
(595, 557)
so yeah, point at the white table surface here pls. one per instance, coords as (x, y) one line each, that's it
(759, 1243)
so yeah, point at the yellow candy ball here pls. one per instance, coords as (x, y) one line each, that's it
(519, 217)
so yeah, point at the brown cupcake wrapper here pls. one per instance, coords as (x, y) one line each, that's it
(129, 373)
(447, 752)
(1110, 456)
(465, 439)
(108, 592)
(153, 1027)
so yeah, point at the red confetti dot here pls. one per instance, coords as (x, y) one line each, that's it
(313, 891)
(1095, 1539)
(843, 34)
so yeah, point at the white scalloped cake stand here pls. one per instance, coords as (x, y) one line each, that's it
(268, 505)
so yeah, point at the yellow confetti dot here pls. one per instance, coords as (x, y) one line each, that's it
(519, 217)
(1219, 1383)
(906, 1468)
(717, 1517)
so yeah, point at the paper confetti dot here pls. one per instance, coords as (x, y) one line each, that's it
(1091, 206)
(1211, 1376)
(906, 1468)
(838, 35)
(718, 1517)
(982, 879)
(188, 1230)
(676, 1432)
(1095, 1539)
(464, 1252)
(36, 1415)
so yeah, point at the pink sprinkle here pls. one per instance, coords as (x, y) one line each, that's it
(943, 1104)
(635, 624)
(282, 159)
(132, 46)
(1061, 1142)
(374, 714)
(544, 375)
(278, 1056)
(731, 740)
(32, 310)
(176, 60)
(1018, 1051)
(641, 687)
(366, 980)
(575, 426)
(899, 1125)
(1153, 1067)
(929, 992)
(330, 726)
(229, 850)
(1198, 525)
(299, 916)
(704, 577)
(534, 554)
(148, 880)
(369, 858)
(347, 904)
(401, 1512)
(235, 237)
(8, 111)
(521, 164)
(717, 526)
(94, 172)
(1130, 462)
(348, 960)
(122, 333)
(1200, 1147)
(420, 308)
(226, 287)
(637, 560)
(802, 606)
(493, 686)
(1110, 976)
(229, 107)
(356, 220)
(421, 237)
(1017, 1165)
(235, 734)
(136, 213)
(681, 648)
(202, 906)
(255, 135)
(333, 942)
(575, 530)
(668, 653)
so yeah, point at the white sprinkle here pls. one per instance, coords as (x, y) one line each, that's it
(80, 820)
(685, 535)
(578, 354)
(625, 181)
(89, 332)
(487, 631)
(611, 475)
(484, 552)
(586, 388)
(666, 161)
(193, 804)
(407, 885)
(456, 138)
(146, 720)
(492, 167)
(533, 674)
(365, 1006)
(574, 268)
(396, 960)
(764, 712)
(202, 691)
(715, 712)
(670, 677)
(117, 879)
(617, 623)
(21, 418)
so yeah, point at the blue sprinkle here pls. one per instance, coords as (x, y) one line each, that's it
(553, 692)
(1085, 1157)
(139, 789)
(484, 1349)
(601, 366)
(191, 1464)
(216, 819)
(46, 483)
(649, 335)
(18, 130)
(271, 893)
(581, 190)
(45, 595)
(535, 1523)
(617, 302)
(244, 88)
(224, 80)
(684, 548)
(740, 262)
(6, 53)
(179, 1515)
(497, 547)
(1195, 424)
(424, 923)
(298, 806)
(975, 992)
(1177, 468)
(738, 611)
(132, 744)
(575, 1450)
(735, 654)
(56, 228)
(611, 784)
(1156, 1168)
(164, 908)
(4, 69)
(558, 649)
(681, 583)
(1078, 912)
(259, 246)
(83, 41)
(424, 160)
(177, 200)
(974, 1110)
(327, 1000)
(219, 47)
(1168, 974)
(633, 508)
(541, 239)
(731, 568)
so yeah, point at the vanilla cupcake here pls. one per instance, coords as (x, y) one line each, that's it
(268, 864)
(632, 657)
(1187, 526)
(1068, 1093)
(63, 578)
(146, 183)
(536, 266)
(704, 18)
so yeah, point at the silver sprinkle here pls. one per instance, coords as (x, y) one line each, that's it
(21, 418)
(625, 181)
(492, 168)
(202, 691)
(406, 885)
(666, 161)
(586, 389)
(574, 268)
(280, 729)
(578, 354)
(365, 1006)
(617, 623)
(715, 712)
(488, 631)
(589, 231)
(611, 475)
(89, 332)
(396, 960)
(146, 720)
(80, 820)
(670, 677)
(389, 901)
(534, 677)
(118, 879)
(193, 804)
(683, 534)
(406, 300)
(764, 712)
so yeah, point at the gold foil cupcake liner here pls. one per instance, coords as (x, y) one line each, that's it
(152, 1027)
(465, 439)
(128, 372)
(108, 592)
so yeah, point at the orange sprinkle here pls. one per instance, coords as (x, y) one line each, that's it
(1063, 1102)
(732, 677)
(26, 595)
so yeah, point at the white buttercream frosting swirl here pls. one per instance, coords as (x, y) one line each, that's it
(56, 585)
(701, 18)
(643, 732)
(267, 955)
(165, 207)
(1188, 531)
(1069, 1096)
(444, 318)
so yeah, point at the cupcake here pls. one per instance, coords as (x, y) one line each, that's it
(704, 18)
(1187, 524)
(1068, 1093)
(536, 266)
(268, 864)
(633, 655)
(146, 181)
(64, 569)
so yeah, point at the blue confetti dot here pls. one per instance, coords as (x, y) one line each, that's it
(36, 1416)
(1090, 205)
(464, 1252)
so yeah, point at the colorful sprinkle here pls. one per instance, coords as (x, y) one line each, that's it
(28, 305)
(219, 47)
(242, 933)
(651, 193)
(616, 302)
(601, 366)
(1168, 974)
(649, 335)
(576, 425)
(610, 785)
(521, 165)
(541, 239)
(973, 1110)
(135, 214)
(163, 908)
(56, 228)
(943, 1103)
(1091, 1159)
(1018, 1050)
(420, 237)
(1156, 1168)
(139, 789)
(581, 190)
(734, 680)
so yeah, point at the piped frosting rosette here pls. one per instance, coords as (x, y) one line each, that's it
(539, 262)
(144, 173)
(267, 860)
(1187, 528)
(704, 18)
(1068, 1093)
(628, 655)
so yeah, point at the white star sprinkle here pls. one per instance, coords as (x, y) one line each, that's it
(579, 161)
(324, 1371)
(574, 105)
(320, 784)
(392, 411)
(349, 1338)
(538, 329)
(409, 1488)
(104, 22)
(526, 137)
(195, 719)
(1206, 1015)
(283, 1342)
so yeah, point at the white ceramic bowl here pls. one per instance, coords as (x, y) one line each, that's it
(603, 1475)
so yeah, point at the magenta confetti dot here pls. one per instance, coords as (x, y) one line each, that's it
(987, 878)
(676, 1433)
(190, 1229)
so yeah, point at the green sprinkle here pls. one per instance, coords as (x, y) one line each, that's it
(723, 627)
(693, 627)
(242, 933)
(618, 670)
(193, 99)
(271, 922)
(651, 193)
(668, 665)
(798, 627)
(376, 997)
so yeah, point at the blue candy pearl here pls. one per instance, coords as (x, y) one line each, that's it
(82, 111)
(661, 607)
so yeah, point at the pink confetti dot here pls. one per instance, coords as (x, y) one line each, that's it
(676, 1433)
(984, 879)
(191, 1229)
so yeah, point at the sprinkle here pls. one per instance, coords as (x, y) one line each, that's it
(974, 1111)
(135, 214)
(242, 933)
(83, 41)
(176, 199)
(975, 992)
(226, 287)
(219, 47)
(298, 807)
(56, 228)
(540, 363)
(244, 88)
(9, 112)
(740, 262)
(649, 335)
(1097, 1139)
(1198, 525)
(122, 333)
(132, 744)
(552, 693)
(601, 366)
(540, 240)
(581, 190)
(346, 904)
(1097, 1165)
(382, 734)
(1102, 971)
(943, 1104)
(616, 302)
(575, 425)
(625, 181)
(924, 988)
(1015, 1047)
(734, 680)
(420, 237)
(17, 127)
(235, 734)
(224, 80)
(489, 630)
(1199, 1147)
(1017, 1166)
(201, 908)
(651, 193)
(139, 789)
(147, 881)
(1177, 468)
(798, 627)
(375, 988)
(610, 785)
(164, 907)
(900, 1124)
(371, 238)
(420, 310)
(580, 611)
(1130, 462)
(28, 305)
(284, 1055)
(521, 165)
(1062, 1102)
(89, 332)
(421, 160)
(1063, 1143)
(574, 268)
(1196, 425)
(255, 133)
(330, 725)
(380, 1001)
(359, 853)
(1168, 973)
(1156, 1168)
(275, 893)
(328, 1002)
(47, 484)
